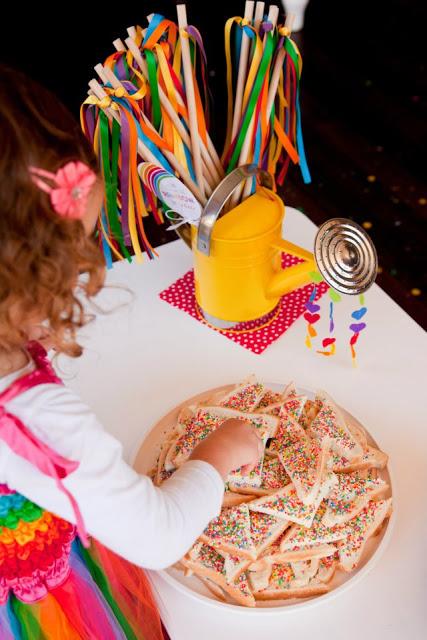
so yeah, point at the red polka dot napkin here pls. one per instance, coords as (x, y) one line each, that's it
(181, 295)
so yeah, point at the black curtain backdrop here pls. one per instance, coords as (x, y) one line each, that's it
(363, 99)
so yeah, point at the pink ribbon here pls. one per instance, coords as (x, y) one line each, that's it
(25, 444)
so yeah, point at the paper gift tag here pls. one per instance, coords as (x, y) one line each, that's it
(171, 191)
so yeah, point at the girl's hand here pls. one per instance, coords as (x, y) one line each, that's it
(234, 444)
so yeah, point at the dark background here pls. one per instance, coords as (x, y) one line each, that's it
(363, 100)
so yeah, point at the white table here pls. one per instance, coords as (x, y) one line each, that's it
(146, 357)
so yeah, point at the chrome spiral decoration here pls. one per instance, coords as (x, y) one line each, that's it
(345, 256)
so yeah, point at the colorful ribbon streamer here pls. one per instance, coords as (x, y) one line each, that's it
(312, 316)
(277, 136)
(144, 115)
(357, 327)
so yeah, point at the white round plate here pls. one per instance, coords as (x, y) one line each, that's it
(193, 588)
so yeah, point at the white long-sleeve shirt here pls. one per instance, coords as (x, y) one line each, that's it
(150, 526)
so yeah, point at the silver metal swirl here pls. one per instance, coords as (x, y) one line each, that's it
(345, 256)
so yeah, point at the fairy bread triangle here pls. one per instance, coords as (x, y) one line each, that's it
(243, 397)
(329, 425)
(359, 530)
(290, 404)
(231, 532)
(305, 462)
(372, 458)
(286, 504)
(352, 493)
(283, 585)
(265, 529)
(273, 477)
(208, 563)
(299, 537)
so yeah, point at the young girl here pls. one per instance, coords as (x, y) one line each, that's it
(76, 522)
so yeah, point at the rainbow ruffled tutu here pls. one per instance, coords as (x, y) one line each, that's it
(52, 588)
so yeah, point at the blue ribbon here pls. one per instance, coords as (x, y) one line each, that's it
(305, 172)
(154, 23)
(237, 44)
(257, 153)
(189, 163)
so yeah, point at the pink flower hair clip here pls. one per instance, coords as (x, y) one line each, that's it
(71, 186)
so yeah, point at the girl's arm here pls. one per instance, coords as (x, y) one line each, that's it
(150, 526)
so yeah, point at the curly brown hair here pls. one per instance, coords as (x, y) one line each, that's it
(41, 254)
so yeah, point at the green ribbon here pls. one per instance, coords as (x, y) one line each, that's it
(256, 90)
(290, 50)
(115, 154)
(154, 88)
(192, 51)
(126, 66)
(110, 172)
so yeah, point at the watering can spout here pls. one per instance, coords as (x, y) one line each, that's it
(286, 280)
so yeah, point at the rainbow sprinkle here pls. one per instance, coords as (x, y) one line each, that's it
(288, 433)
(273, 474)
(282, 576)
(303, 462)
(269, 398)
(211, 559)
(286, 504)
(197, 429)
(343, 498)
(263, 526)
(328, 425)
(245, 398)
(231, 529)
(302, 537)
(358, 531)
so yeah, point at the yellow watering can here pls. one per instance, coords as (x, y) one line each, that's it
(237, 257)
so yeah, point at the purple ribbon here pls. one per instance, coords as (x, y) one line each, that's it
(120, 69)
(124, 177)
(89, 116)
(265, 28)
(195, 33)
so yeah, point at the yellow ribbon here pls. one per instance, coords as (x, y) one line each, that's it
(176, 65)
(121, 92)
(104, 103)
(256, 59)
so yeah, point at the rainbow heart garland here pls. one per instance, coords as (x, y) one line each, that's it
(312, 317)
(357, 327)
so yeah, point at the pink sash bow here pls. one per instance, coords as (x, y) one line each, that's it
(25, 444)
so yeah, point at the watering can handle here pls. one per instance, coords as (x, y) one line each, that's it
(219, 197)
